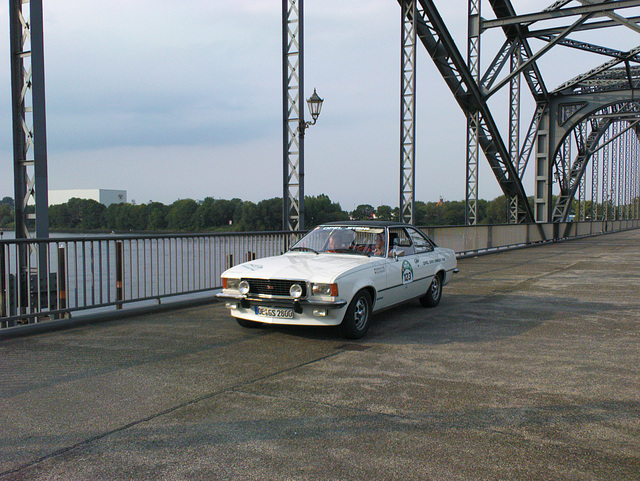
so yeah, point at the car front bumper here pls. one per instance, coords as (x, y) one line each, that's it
(306, 312)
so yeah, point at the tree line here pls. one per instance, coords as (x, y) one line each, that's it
(210, 214)
(184, 215)
(6, 212)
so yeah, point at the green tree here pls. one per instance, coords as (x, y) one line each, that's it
(215, 213)
(496, 211)
(6, 215)
(225, 211)
(59, 217)
(320, 209)
(430, 213)
(204, 216)
(91, 213)
(125, 217)
(156, 216)
(84, 214)
(363, 212)
(269, 215)
(454, 213)
(420, 213)
(181, 215)
(244, 216)
(384, 212)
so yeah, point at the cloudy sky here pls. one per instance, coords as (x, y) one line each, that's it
(172, 100)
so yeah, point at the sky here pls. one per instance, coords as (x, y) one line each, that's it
(171, 100)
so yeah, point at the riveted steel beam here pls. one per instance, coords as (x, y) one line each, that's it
(436, 38)
(560, 13)
(408, 111)
(293, 114)
(473, 115)
(29, 119)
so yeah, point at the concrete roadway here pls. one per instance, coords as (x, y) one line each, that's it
(528, 369)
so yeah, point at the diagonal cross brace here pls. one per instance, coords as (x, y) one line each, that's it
(437, 40)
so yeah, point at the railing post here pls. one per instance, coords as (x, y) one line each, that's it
(62, 279)
(3, 286)
(119, 274)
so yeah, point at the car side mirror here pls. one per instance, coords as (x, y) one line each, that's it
(395, 253)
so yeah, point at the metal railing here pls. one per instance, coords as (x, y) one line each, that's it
(472, 240)
(68, 275)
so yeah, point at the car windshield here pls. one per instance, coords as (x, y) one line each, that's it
(357, 240)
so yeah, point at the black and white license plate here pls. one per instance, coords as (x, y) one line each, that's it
(280, 313)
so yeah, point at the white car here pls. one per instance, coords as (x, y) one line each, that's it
(340, 274)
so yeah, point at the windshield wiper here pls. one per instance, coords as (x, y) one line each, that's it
(304, 249)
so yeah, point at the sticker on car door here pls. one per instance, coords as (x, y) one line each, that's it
(407, 272)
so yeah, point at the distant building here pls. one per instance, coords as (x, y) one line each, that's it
(104, 196)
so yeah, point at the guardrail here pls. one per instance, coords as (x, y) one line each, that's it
(81, 274)
(65, 275)
(472, 240)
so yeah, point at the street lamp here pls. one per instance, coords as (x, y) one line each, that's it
(315, 105)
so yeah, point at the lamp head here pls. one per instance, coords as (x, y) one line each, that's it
(315, 105)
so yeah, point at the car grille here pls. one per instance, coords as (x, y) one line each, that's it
(274, 287)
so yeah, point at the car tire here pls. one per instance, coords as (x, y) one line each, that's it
(358, 316)
(248, 324)
(434, 292)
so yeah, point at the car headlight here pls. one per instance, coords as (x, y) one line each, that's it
(295, 291)
(244, 287)
(324, 290)
(230, 283)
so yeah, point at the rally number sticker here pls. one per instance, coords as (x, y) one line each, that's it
(407, 272)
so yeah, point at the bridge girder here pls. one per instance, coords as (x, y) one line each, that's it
(570, 115)
(466, 90)
(293, 115)
(29, 124)
(592, 91)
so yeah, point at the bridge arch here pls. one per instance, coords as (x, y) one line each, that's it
(599, 125)
(584, 109)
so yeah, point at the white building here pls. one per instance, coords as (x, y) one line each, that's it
(104, 196)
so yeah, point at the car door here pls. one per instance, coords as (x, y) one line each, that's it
(425, 255)
(402, 268)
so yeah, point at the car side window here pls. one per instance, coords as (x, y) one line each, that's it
(420, 242)
(399, 238)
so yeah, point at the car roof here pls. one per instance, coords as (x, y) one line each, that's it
(368, 223)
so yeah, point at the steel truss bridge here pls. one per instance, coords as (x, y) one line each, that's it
(582, 137)
(581, 140)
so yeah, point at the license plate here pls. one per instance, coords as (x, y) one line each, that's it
(274, 312)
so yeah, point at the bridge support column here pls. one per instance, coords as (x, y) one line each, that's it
(407, 113)
(293, 114)
(473, 115)
(543, 183)
(29, 125)
(514, 128)
(31, 205)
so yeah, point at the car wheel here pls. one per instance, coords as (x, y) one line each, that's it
(434, 293)
(358, 316)
(248, 324)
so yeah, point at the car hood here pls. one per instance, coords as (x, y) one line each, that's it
(300, 266)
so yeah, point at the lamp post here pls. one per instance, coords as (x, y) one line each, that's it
(315, 105)
(293, 196)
